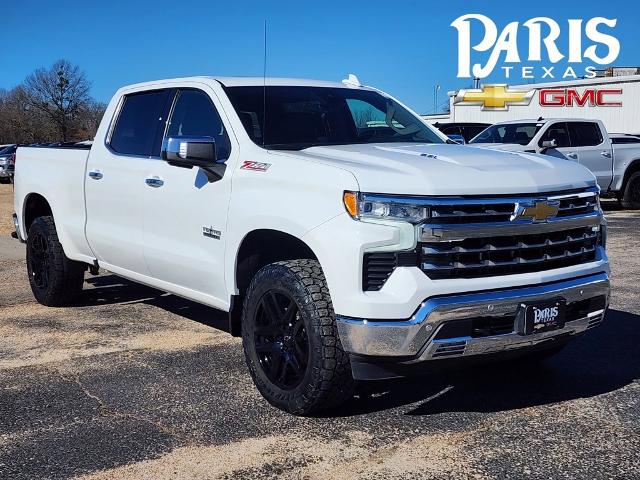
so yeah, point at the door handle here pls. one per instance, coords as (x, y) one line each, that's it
(95, 174)
(605, 153)
(572, 154)
(154, 182)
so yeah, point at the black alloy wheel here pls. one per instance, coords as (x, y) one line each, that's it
(280, 339)
(290, 338)
(39, 260)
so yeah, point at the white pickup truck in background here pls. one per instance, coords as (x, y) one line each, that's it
(614, 159)
(347, 239)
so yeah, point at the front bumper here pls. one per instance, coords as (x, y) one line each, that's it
(419, 338)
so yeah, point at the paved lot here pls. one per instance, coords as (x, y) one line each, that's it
(134, 383)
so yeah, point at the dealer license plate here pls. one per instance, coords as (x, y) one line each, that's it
(541, 316)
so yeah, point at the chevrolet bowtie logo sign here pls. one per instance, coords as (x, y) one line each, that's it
(494, 97)
(538, 211)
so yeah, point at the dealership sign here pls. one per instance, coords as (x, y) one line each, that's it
(541, 47)
(500, 97)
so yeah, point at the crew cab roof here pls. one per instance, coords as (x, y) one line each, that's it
(243, 82)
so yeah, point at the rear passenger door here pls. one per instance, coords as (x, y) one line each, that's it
(594, 150)
(185, 214)
(115, 184)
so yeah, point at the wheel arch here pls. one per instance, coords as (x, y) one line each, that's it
(633, 167)
(35, 205)
(258, 248)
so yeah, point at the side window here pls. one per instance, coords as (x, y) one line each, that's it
(470, 132)
(585, 134)
(194, 115)
(451, 130)
(623, 140)
(138, 123)
(557, 132)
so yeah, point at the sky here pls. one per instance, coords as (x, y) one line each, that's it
(403, 47)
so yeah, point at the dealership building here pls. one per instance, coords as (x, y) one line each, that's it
(563, 99)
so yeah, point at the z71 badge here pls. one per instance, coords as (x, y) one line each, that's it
(255, 166)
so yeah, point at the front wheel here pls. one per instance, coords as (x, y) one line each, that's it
(290, 339)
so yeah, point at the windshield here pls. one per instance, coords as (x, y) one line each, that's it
(303, 117)
(520, 133)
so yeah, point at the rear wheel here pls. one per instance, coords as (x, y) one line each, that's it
(631, 194)
(55, 280)
(290, 339)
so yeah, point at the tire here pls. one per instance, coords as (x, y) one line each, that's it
(631, 194)
(290, 339)
(55, 280)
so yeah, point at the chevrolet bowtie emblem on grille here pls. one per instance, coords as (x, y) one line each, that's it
(494, 97)
(538, 211)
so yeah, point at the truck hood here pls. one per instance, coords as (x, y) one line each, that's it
(444, 169)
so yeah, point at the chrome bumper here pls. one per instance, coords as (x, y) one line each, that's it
(414, 338)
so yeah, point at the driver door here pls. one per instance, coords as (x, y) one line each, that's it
(184, 226)
(560, 133)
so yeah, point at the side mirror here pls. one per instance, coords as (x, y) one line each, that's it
(189, 152)
(547, 144)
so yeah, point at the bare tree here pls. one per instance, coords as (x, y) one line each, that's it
(89, 120)
(60, 92)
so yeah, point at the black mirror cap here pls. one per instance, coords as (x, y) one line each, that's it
(190, 151)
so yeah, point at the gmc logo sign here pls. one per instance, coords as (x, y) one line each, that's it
(568, 97)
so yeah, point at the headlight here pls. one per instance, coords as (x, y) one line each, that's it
(379, 207)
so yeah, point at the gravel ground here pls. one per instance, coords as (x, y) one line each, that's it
(6, 208)
(135, 383)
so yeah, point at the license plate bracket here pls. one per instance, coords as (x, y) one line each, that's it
(541, 316)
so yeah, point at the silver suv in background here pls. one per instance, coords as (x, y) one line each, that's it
(7, 162)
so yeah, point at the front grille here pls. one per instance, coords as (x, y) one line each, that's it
(485, 257)
(482, 257)
(468, 237)
(463, 211)
(578, 205)
(471, 213)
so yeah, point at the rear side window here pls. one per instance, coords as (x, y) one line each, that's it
(557, 132)
(585, 134)
(141, 115)
(622, 140)
(194, 115)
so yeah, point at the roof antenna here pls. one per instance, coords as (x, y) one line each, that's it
(264, 85)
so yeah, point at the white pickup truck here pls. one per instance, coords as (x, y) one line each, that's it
(347, 239)
(614, 159)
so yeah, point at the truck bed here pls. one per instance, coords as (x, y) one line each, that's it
(58, 174)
